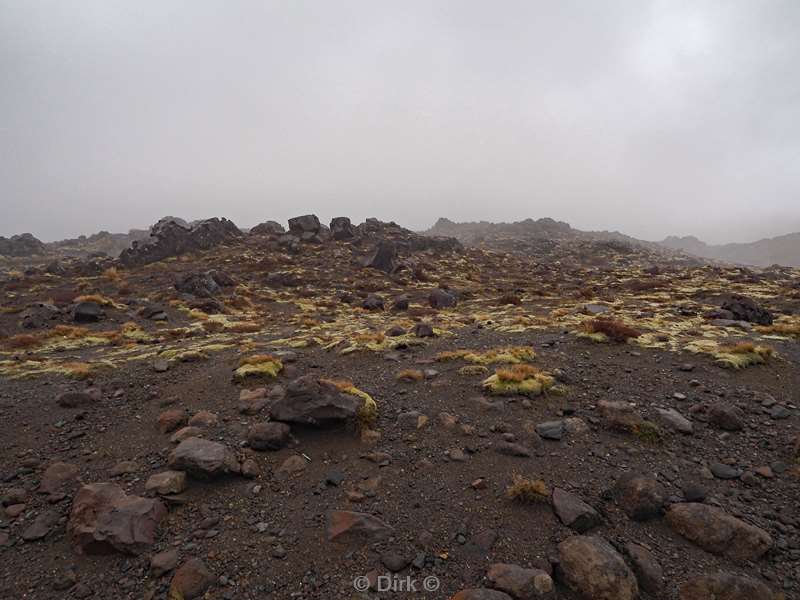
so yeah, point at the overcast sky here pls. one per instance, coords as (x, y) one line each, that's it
(650, 117)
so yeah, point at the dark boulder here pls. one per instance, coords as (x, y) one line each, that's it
(746, 309)
(342, 228)
(202, 285)
(304, 224)
(170, 238)
(313, 401)
(88, 312)
(440, 298)
(268, 228)
(383, 257)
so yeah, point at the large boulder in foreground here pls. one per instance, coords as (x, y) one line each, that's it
(716, 531)
(724, 586)
(105, 519)
(590, 566)
(312, 401)
(203, 459)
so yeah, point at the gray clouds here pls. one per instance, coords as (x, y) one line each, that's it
(651, 117)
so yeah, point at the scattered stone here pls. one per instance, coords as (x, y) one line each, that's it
(648, 572)
(481, 594)
(123, 468)
(394, 562)
(693, 492)
(191, 580)
(574, 512)
(41, 526)
(56, 476)
(184, 433)
(512, 449)
(76, 399)
(203, 419)
(439, 298)
(250, 469)
(717, 532)
(104, 519)
(726, 416)
(675, 420)
(590, 566)
(520, 583)
(619, 415)
(167, 482)
(348, 526)
(163, 562)
(171, 419)
(203, 459)
(551, 430)
(293, 465)
(723, 471)
(268, 436)
(642, 498)
(724, 586)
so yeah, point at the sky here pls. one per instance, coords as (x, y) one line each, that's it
(649, 117)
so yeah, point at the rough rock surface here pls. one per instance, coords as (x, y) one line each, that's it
(717, 532)
(590, 566)
(311, 401)
(172, 239)
(105, 519)
(203, 459)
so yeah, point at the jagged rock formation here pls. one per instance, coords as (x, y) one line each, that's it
(24, 244)
(169, 238)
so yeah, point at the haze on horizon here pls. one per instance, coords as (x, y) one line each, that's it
(649, 117)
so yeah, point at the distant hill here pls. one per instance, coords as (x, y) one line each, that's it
(783, 250)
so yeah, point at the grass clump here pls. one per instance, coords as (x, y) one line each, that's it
(410, 375)
(505, 355)
(470, 370)
(742, 355)
(648, 432)
(97, 299)
(520, 379)
(258, 365)
(22, 341)
(604, 329)
(526, 490)
(785, 329)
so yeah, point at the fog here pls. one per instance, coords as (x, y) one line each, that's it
(648, 117)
